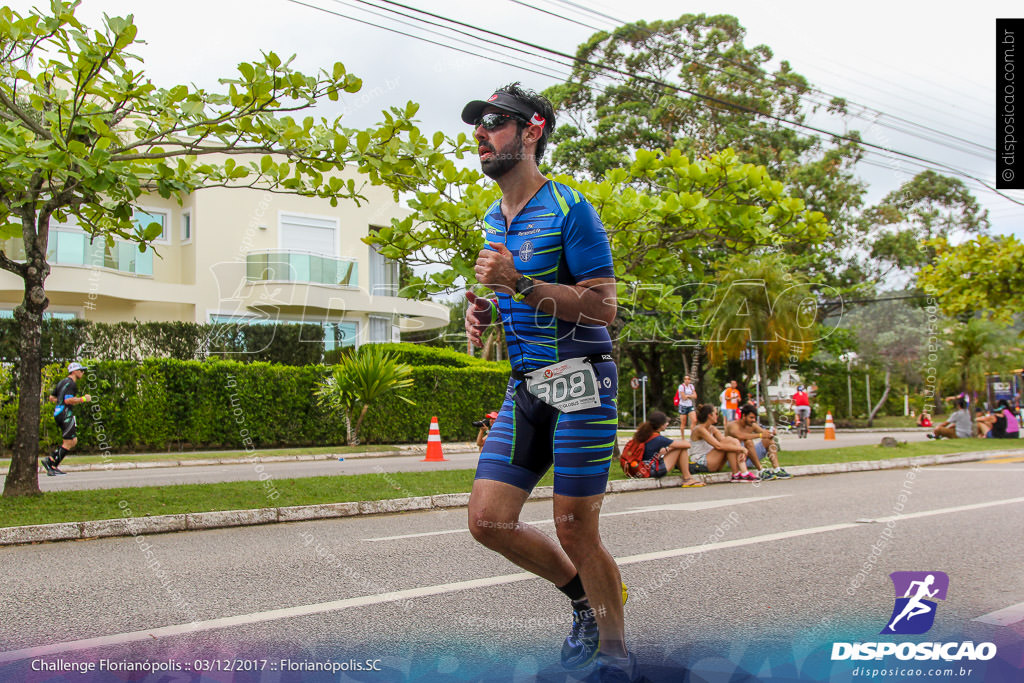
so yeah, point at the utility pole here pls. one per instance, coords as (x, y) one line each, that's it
(867, 390)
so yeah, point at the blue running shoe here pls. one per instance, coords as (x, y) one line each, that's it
(581, 646)
(583, 642)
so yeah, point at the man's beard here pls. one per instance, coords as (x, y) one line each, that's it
(504, 160)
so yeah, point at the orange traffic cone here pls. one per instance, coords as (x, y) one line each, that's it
(434, 452)
(830, 428)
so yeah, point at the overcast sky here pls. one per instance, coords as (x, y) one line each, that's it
(929, 63)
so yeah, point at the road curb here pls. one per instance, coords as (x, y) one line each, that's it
(138, 526)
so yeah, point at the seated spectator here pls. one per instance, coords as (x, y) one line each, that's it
(958, 426)
(670, 453)
(1010, 424)
(983, 424)
(710, 449)
(759, 443)
(924, 420)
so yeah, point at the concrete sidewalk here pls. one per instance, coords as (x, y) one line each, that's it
(132, 526)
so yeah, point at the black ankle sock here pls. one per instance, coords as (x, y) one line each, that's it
(59, 455)
(574, 589)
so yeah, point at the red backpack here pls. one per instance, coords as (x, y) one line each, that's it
(632, 460)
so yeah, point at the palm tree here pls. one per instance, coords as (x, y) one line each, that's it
(360, 379)
(758, 301)
(976, 347)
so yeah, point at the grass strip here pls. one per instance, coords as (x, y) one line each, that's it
(78, 506)
(904, 450)
(75, 459)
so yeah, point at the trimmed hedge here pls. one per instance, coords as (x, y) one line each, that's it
(67, 340)
(418, 354)
(170, 405)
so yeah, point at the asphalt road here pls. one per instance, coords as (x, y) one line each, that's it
(761, 579)
(205, 474)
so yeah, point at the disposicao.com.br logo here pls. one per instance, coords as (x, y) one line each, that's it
(914, 613)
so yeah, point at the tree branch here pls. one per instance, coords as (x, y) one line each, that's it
(21, 115)
(12, 266)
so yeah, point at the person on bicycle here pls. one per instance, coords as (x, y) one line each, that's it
(801, 401)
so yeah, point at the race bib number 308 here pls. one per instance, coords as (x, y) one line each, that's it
(569, 386)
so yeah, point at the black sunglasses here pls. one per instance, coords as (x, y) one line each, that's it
(495, 120)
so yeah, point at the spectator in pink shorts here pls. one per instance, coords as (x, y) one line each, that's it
(710, 450)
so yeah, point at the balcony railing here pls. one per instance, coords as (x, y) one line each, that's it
(72, 248)
(297, 266)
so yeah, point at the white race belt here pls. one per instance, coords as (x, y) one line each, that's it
(569, 386)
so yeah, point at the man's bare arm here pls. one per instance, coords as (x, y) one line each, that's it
(590, 302)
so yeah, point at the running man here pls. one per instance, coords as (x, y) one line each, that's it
(914, 606)
(549, 263)
(65, 395)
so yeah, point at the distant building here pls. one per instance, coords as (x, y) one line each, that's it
(238, 255)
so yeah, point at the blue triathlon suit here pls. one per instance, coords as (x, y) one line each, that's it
(557, 237)
(62, 413)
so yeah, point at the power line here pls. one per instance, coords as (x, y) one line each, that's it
(761, 76)
(415, 37)
(652, 81)
(701, 96)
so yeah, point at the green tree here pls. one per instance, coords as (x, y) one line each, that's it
(981, 275)
(758, 302)
(358, 381)
(693, 84)
(974, 348)
(85, 134)
(890, 335)
(903, 228)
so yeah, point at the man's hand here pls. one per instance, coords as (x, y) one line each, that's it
(86, 398)
(496, 269)
(478, 318)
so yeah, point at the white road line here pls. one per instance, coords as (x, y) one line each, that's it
(678, 507)
(959, 508)
(987, 470)
(1003, 617)
(426, 591)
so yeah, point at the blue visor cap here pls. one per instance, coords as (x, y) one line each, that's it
(505, 102)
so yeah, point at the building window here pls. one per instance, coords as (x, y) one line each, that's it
(379, 330)
(383, 274)
(313, 234)
(47, 315)
(143, 219)
(340, 335)
(186, 227)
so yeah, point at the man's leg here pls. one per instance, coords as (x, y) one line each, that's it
(948, 432)
(752, 453)
(679, 457)
(576, 524)
(494, 509)
(733, 454)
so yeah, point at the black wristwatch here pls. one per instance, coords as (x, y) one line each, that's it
(524, 285)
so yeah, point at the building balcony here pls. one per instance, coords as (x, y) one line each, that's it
(298, 266)
(73, 248)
